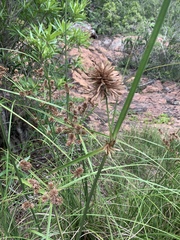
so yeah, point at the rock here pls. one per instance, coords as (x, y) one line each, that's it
(107, 42)
(172, 101)
(156, 87)
(137, 110)
(116, 44)
(85, 27)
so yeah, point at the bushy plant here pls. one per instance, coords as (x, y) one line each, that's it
(35, 29)
(112, 17)
(132, 17)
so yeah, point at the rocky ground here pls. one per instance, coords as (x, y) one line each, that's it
(155, 103)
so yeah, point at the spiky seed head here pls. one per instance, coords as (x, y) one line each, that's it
(104, 81)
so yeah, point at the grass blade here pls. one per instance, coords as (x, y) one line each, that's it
(142, 66)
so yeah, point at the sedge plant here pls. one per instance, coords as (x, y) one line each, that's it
(60, 212)
(109, 147)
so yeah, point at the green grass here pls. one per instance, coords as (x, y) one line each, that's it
(78, 183)
(137, 196)
(163, 118)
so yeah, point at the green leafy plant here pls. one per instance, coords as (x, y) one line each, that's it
(37, 28)
(163, 118)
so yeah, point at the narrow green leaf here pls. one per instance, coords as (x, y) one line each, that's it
(142, 66)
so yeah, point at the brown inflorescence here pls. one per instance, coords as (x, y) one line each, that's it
(78, 172)
(26, 205)
(72, 127)
(104, 82)
(71, 139)
(3, 71)
(35, 185)
(24, 165)
(109, 147)
(52, 195)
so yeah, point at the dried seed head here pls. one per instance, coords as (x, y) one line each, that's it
(52, 82)
(65, 119)
(39, 72)
(79, 109)
(50, 185)
(51, 119)
(45, 197)
(58, 130)
(45, 84)
(58, 201)
(54, 198)
(3, 71)
(109, 147)
(35, 185)
(104, 81)
(75, 112)
(53, 193)
(22, 94)
(78, 172)
(66, 88)
(26, 205)
(71, 104)
(71, 139)
(84, 107)
(29, 92)
(26, 166)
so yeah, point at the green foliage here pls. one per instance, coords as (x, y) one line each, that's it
(75, 10)
(39, 27)
(43, 41)
(138, 18)
(62, 180)
(165, 61)
(162, 118)
(112, 17)
(132, 17)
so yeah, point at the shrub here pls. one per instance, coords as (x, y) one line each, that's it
(35, 29)
(112, 17)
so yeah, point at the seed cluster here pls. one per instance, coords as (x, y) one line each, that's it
(51, 195)
(25, 166)
(3, 71)
(104, 82)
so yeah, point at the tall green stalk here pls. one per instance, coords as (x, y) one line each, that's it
(128, 101)
(66, 60)
(81, 224)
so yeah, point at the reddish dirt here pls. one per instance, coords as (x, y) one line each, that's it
(153, 99)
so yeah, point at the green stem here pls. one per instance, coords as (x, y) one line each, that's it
(90, 197)
(58, 223)
(66, 60)
(141, 67)
(109, 124)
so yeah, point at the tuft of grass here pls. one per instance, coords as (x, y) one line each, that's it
(163, 118)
